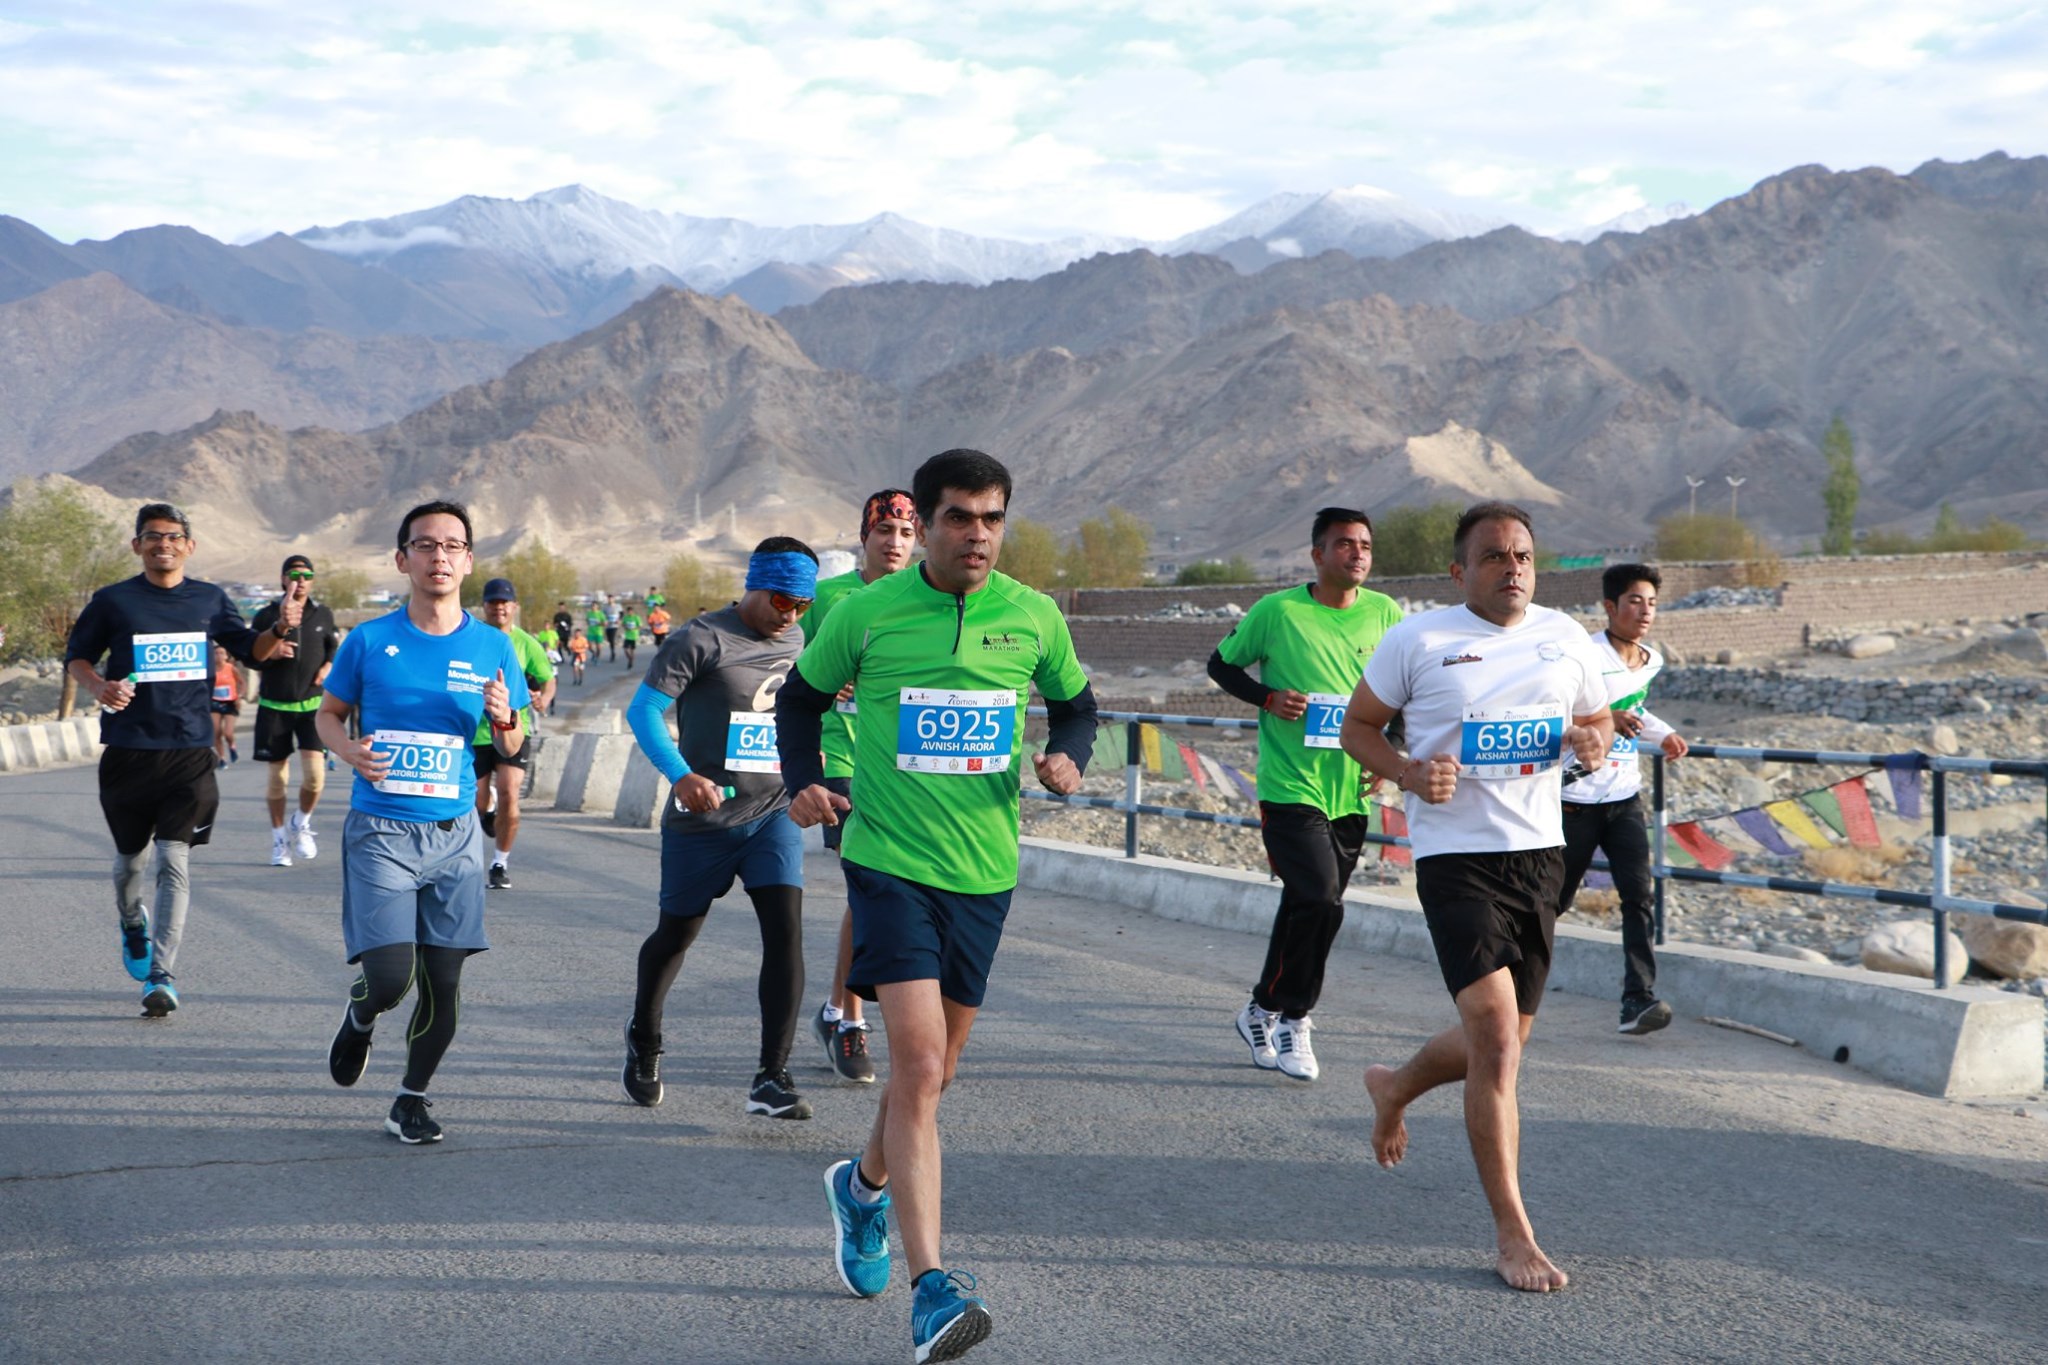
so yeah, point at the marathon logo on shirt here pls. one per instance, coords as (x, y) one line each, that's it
(1451, 659)
(463, 678)
(1002, 643)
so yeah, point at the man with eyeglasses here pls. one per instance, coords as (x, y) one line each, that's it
(728, 816)
(942, 659)
(157, 769)
(422, 678)
(288, 693)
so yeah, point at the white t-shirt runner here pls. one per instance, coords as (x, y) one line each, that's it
(1628, 689)
(1499, 700)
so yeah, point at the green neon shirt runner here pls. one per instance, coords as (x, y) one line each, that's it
(839, 724)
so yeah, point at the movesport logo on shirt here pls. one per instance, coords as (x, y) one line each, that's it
(462, 677)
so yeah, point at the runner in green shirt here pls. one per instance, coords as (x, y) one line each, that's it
(888, 537)
(499, 776)
(1310, 644)
(942, 659)
(629, 632)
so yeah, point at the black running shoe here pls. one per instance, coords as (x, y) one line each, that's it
(501, 877)
(1643, 1016)
(850, 1054)
(774, 1095)
(643, 1071)
(349, 1053)
(409, 1123)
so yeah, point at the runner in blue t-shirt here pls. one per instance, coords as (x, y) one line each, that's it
(412, 853)
(156, 771)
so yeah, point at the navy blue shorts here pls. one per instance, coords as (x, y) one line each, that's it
(839, 786)
(697, 867)
(907, 931)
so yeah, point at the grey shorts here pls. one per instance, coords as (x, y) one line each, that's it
(405, 881)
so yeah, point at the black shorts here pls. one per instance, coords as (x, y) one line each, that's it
(1487, 911)
(611, 635)
(279, 732)
(488, 757)
(158, 794)
(838, 786)
(907, 931)
(225, 708)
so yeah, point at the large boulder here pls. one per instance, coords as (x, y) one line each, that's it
(2003, 947)
(1906, 948)
(1869, 646)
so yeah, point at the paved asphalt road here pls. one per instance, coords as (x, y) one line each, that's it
(1126, 1185)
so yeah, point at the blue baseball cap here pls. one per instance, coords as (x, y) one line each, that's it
(500, 590)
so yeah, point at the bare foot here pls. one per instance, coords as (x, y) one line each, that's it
(1524, 1266)
(1389, 1130)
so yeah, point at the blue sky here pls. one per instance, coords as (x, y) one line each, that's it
(1141, 118)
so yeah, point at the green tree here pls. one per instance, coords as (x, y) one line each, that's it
(1414, 540)
(1237, 569)
(692, 586)
(1030, 554)
(1108, 552)
(1705, 537)
(1840, 492)
(539, 575)
(58, 552)
(344, 589)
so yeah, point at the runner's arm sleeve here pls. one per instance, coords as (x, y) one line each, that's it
(89, 634)
(1237, 682)
(647, 716)
(1070, 727)
(800, 731)
(1655, 730)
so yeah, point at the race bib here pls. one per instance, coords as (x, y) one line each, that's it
(964, 733)
(1516, 741)
(1624, 748)
(846, 708)
(421, 764)
(1325, 718)
(750, 743)
(223, 692)
(179, 657)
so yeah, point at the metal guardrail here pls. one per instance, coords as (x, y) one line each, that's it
(1939, 901)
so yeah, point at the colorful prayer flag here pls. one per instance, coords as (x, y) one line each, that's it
(1194, 764)
(1905, 779)
(1702, 846)
(1396, 823)
(1758, 826)
(1824, 804)
(1859, 821)
(1792, 818)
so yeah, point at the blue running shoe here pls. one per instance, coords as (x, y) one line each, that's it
(136, 950)
(945, 1322)
(159, 998)
(863, 1257)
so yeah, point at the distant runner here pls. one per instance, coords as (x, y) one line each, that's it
(888, 538)
(503, 774)
(629, 632)
(1310, 645)
(287, 697)
(226, 704)
(942, 659)
(412, 853)
(1603, 811)
(613, 614)
(593, 627)
(1497, 693)
(579, 654)
(658, 621)
(727, 816)
(156, 771)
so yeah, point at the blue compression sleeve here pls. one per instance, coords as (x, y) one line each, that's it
(647, 717)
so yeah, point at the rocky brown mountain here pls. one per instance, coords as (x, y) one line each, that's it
(89, 360)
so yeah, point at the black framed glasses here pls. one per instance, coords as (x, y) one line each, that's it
(451, 548)
(163, 537)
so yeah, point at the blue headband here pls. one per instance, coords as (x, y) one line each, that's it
(789, 573)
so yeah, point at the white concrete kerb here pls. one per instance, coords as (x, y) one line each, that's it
(1964, 1042)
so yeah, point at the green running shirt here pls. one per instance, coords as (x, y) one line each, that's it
(953, 826)
(1303, 646)
(838, 724)
(533, 662)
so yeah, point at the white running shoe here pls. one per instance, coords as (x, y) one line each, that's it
(302, 842)
(280, 851)
(1292, 1041)
(1255, 1026)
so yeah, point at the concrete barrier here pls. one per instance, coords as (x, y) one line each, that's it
(596, 766)
(642, 790)
(544, 769)
(1964, 1042)
(50, 744)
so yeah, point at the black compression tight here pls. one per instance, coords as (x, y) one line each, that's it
(389, 972)
(780, 911)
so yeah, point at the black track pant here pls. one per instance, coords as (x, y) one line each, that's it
(1616, 828)
(1313, 856)
(780, 910)
(388, 973)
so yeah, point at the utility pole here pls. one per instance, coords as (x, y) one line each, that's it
(1734, 485)
(1692, 495)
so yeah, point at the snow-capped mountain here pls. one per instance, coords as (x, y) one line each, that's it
(576, 232)
(1362, 220)
(1635, 220)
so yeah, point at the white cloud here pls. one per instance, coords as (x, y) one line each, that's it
(1137, 117)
